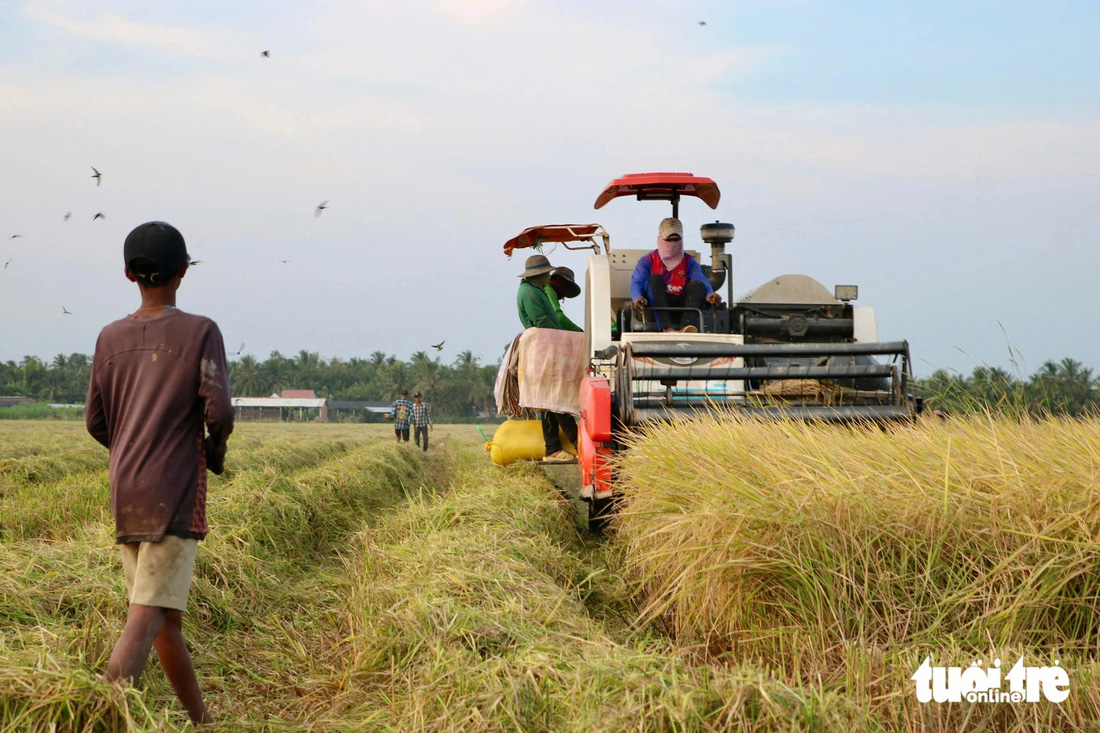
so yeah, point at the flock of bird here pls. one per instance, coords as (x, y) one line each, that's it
(100, 215)
(318, 210)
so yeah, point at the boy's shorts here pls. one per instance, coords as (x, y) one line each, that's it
(159, 573)
(402, 433)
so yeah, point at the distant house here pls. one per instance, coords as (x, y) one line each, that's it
(298, 394)
(282, 407)
(13, 401)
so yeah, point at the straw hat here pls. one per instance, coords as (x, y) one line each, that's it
(537, 265)
(572, 290)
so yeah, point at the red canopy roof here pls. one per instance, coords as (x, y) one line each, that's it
(532, 236)
(661, 186)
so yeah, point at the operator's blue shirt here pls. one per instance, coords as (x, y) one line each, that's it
(639, 281)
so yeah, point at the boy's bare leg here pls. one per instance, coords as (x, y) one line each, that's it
(176, 661)
(143, 624)
(149, 625)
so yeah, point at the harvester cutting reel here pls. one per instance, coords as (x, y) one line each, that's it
(661, 380)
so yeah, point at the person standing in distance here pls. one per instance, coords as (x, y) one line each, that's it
(421, 419)
(400, 412)
(159, 401)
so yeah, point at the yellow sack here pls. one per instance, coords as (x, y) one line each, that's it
(521, 440)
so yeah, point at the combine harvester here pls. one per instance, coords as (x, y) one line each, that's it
(788, 349)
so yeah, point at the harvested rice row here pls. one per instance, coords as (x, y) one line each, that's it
(43, 452)
(63, 484)
(473, 612)
(254, 604)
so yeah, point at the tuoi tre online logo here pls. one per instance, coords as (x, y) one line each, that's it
(983, 684)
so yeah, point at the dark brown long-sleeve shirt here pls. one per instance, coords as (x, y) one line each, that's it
(156, 382)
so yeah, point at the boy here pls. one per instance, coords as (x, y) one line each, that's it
(421, 419)
(159, 375)
(400, 413)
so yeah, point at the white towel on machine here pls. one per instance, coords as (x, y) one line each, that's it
(551, 365)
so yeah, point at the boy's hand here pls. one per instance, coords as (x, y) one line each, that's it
(215, 455)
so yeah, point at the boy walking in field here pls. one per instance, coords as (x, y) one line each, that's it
(421, 419)
(401, 413)
(159, 384)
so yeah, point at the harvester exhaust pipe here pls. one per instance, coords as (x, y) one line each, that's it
(718, 235)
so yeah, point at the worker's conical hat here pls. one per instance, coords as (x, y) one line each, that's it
(572, 290)
(537, 265)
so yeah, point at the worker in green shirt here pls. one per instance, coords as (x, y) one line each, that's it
(562, 285)
(536, 310)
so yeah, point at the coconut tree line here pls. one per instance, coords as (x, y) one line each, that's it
(1064, 387)
(464, 387)
(63, 380)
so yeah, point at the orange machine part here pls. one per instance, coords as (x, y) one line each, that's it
(595, 399)
(592, 458)
(593, 431)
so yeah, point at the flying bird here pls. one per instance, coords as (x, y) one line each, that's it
(265, 54)
(99, 215)
(15, 236)
(439, 346)
(284, 262)
(240, 349)
(320, 207)
(68, 214)
(66, 311)
(97, 175)
(6, 264)
(702, 22)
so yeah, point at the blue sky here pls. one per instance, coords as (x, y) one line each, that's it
(944, 156)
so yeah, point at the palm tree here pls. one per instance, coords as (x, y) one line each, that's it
(308, 364)
(470, 384)
(396, 375)
(426, 371)
(244, 375)
(1064, 388)
(53, 384)
(277, 373)
(994, 386)
(32, 369)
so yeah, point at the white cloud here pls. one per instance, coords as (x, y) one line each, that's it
(216, 44)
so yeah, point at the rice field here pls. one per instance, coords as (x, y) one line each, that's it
(758, 577)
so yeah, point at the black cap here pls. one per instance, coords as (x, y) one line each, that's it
(404, 391)
(160, 248)
(418, 395)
